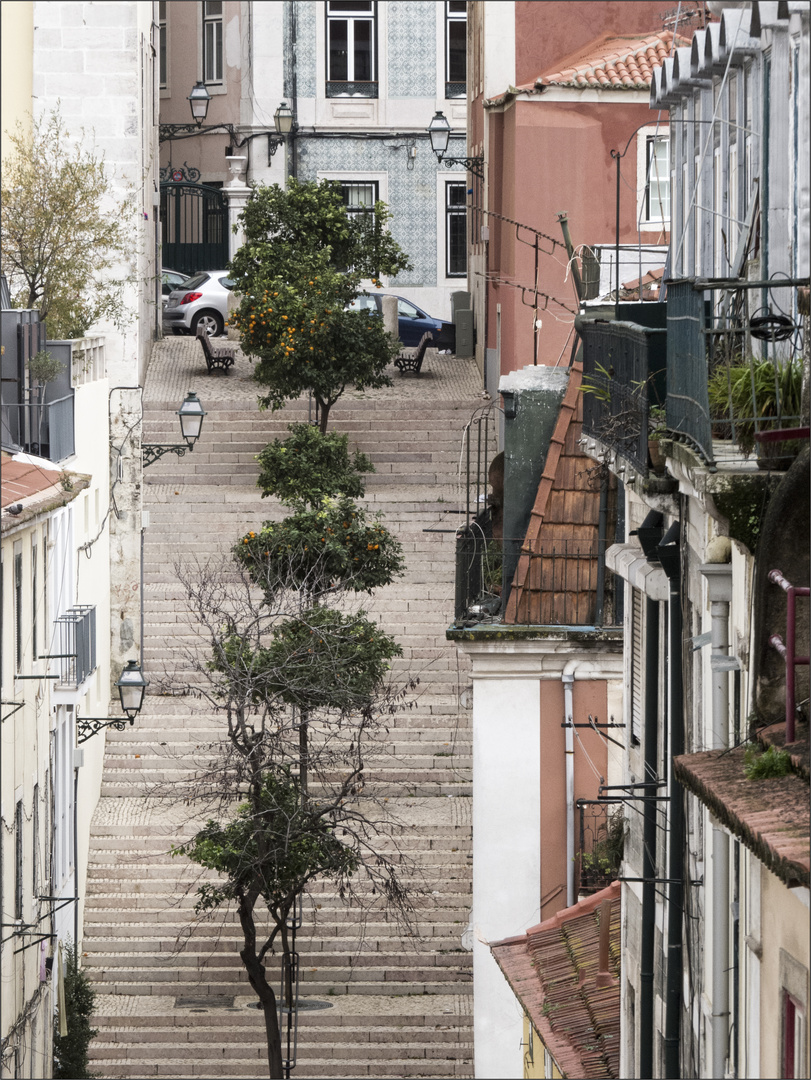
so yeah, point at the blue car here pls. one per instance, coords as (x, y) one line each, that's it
(412, 321)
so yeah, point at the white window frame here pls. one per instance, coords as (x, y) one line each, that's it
(379, 178)
(442, 279)
(351, 18)
(458, 210)
(213, 23)
(453, 17)
(649, 215)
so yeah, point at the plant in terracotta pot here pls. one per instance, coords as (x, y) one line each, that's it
(657, 430)
(757, 395)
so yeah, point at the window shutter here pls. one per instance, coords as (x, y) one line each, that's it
(637, 666)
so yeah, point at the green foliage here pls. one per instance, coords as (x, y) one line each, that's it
(766, 764)
(282, 225)
(605, 858)
(70, 1051)
(63, 237)
(743, 501)
(302, 262)
(43, 367)
(753, 389)
(331, 547)
(275, 844)
(310, 465)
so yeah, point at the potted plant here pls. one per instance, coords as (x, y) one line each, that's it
(758, 395)
(42, 368)
(657, 430)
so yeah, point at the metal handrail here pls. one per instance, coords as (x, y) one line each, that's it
(788, 649)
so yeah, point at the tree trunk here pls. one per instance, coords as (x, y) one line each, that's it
(324, 411)
(263, 990)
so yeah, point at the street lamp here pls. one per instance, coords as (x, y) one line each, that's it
(198, 101)
(439, 132)
(131, 689)
(191, 414)
(284, 122)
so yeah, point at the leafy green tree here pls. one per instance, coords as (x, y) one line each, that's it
(333, 547)
(71, 1050)
(309, 465)
(64, 233)
(302, 263)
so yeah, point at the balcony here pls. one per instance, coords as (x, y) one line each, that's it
(601, 840)
(75, 645)
(532, 583)
(624, 385)
(45, 429)
(734, 378)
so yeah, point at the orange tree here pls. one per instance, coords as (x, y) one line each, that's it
(303, 261)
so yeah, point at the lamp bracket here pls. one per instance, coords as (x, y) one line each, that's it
(274, 142)
(472, 164)
(88, 726)
(188, 131)
(153, 452)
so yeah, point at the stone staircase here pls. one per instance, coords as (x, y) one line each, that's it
(173, 1000)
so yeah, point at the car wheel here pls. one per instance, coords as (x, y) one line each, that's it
(211, 322)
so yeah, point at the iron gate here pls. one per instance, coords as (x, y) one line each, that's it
(194, 227)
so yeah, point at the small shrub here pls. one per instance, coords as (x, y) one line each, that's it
(70, 1051)
(766, 765)
(310, 465)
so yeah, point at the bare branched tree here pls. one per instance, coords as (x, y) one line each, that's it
(305, 693)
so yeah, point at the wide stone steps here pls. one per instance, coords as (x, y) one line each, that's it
(401, 1002)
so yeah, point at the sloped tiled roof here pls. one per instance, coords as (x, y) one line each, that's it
(555, 581)
(553, 970)
(771, 817)
(36, 487)
(614, 62)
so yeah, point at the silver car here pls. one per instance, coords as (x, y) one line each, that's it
(200, 301)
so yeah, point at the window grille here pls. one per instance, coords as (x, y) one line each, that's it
(455, 229)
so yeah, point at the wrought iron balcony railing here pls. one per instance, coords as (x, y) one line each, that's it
(624, 380)
(601, 839)
(544, 583)
(75, 641)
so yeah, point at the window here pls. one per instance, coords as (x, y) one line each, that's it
(18, 860)
(351, 48)
(18, 605)
(359, 197)
(455, 48)
(793, 1037)
(34, 598)
(35, 842)
(162, 43)
(212, 41)
(656, 206)
(455, 231)
(637, 695)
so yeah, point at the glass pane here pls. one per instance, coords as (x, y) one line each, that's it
(457, 51)
(363, 50)
(349, 5)
(338, 50)
(213, 7)
(456, 194)
(457, 7)
(457, 253)
(406, 310)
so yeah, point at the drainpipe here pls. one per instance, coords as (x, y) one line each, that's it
(568, 718)
(646, 1034)
(719, 587)
(670, 558)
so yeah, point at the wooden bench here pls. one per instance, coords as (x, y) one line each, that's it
(412, 361)
(215, 358)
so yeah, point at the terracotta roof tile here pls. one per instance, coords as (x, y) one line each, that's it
(613, 62)
(556, 577)
(771, 817)
(22, 479)
(553, 971)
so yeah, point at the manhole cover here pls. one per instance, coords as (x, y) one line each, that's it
(215, 1001)
(304, 1005)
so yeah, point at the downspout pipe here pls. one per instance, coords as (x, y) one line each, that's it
(669, 551)
(719, 586)
(651, 750)
(568, 718)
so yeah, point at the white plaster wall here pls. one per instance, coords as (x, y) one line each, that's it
(506, 862)
(499, 46)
